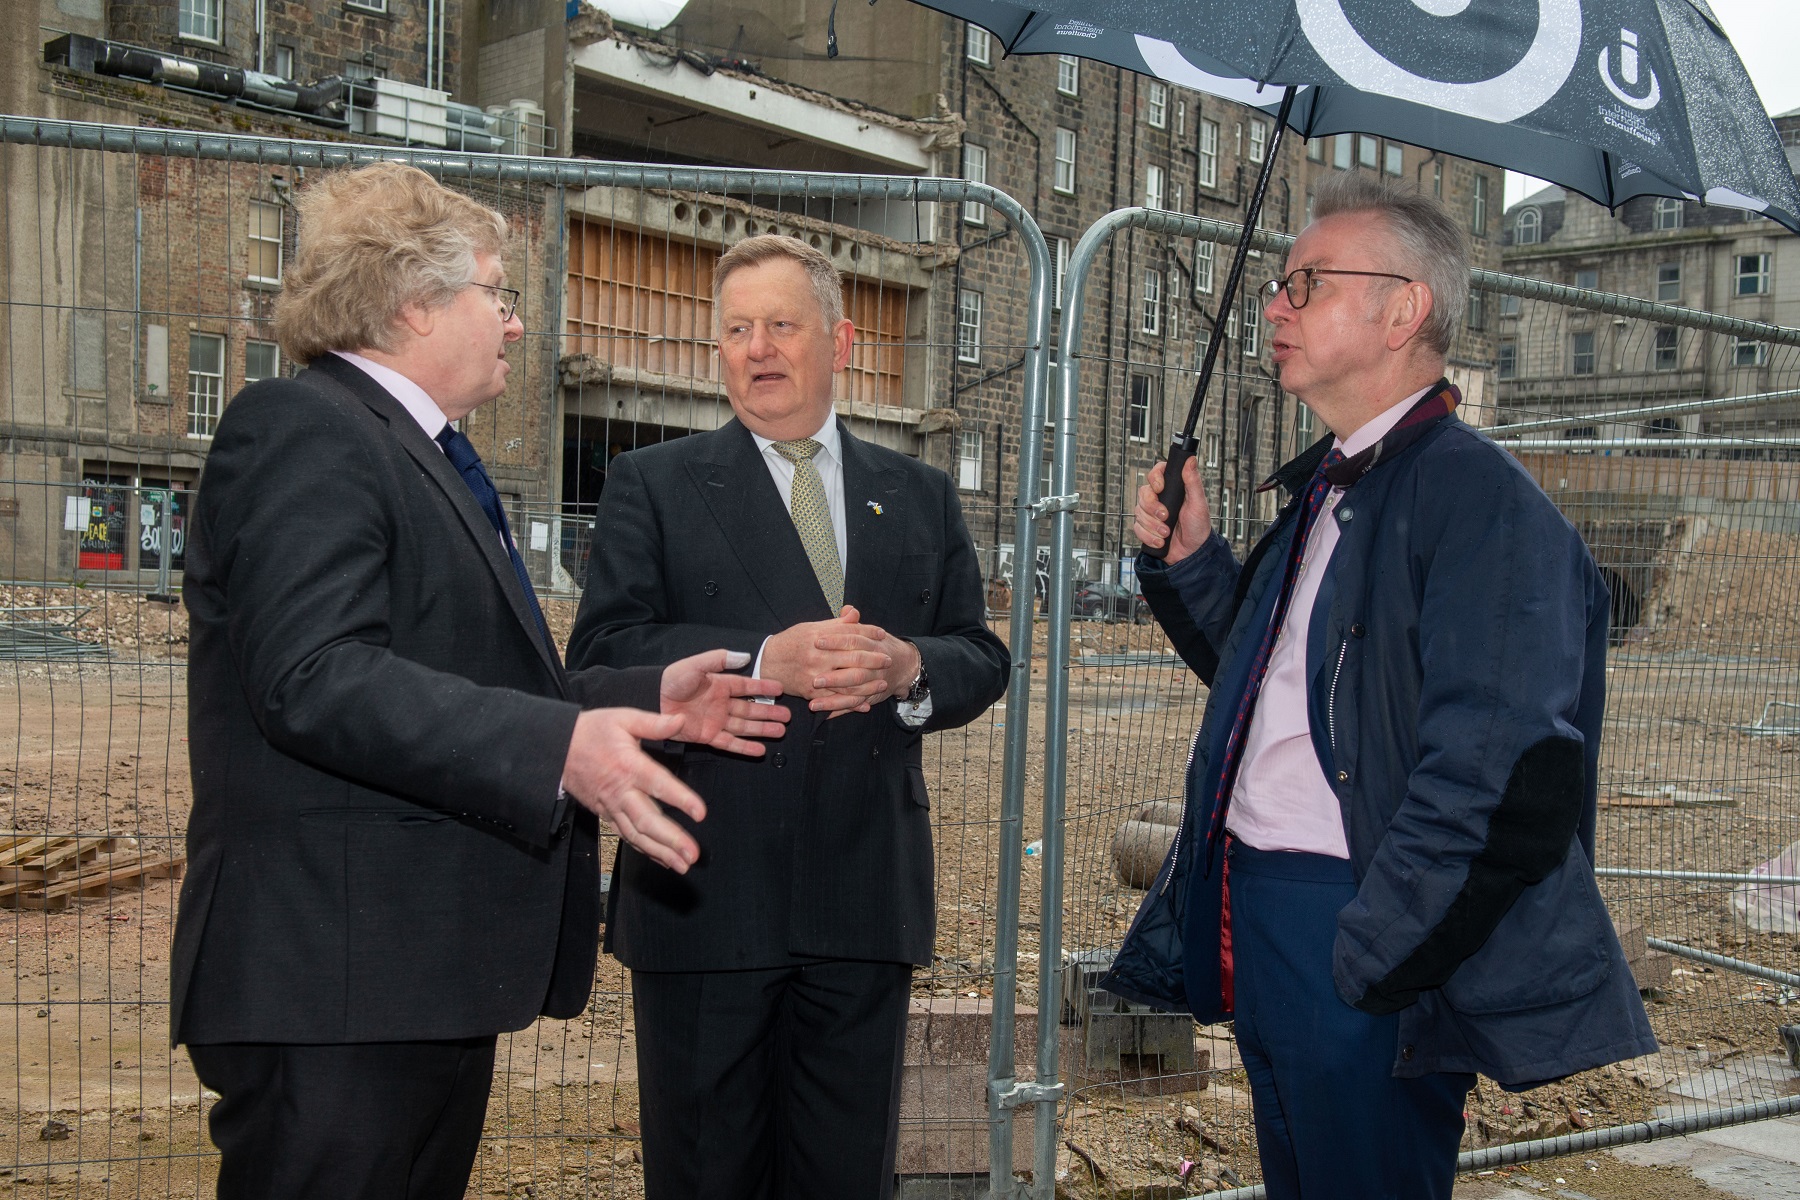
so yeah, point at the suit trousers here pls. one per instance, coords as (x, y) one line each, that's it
(1332, 1121)
(360, 1121)
(777, 1084)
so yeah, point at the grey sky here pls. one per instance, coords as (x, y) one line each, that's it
(1767, 36)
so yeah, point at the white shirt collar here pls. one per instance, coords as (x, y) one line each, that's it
(411, 396)
(1378, 428)
(826, 436)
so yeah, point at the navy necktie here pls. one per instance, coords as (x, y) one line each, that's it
(461, 453)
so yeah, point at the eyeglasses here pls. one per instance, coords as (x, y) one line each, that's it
(1300, 282)
(510, 302)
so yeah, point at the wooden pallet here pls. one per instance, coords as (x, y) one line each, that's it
(48, 873)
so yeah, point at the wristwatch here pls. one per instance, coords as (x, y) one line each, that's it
(921, 687)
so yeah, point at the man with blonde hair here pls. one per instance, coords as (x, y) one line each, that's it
(392, 851)
(770, 982)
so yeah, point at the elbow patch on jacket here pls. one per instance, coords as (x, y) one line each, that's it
(1528, 837)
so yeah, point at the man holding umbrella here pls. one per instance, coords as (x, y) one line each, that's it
(1384, 871)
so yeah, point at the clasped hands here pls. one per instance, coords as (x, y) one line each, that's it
(840, 666)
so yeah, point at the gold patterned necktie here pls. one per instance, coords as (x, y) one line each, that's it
(812, 519)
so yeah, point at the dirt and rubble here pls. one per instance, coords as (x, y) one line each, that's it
(101, 1106)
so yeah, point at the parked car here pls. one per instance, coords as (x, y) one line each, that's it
(1111, 602)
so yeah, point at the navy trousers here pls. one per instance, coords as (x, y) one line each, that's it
(1332, 1122)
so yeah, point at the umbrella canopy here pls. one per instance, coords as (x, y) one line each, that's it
(1609, 98)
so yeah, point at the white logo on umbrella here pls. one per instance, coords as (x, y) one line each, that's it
(1525, 88)
(1628, 67)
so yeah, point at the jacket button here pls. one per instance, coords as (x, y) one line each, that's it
(1346, 514)
(925, 596)
(710, 588)
(1357, 630)
(562, 830)
(1343, 777)
(779, 759)
(1406, 1053)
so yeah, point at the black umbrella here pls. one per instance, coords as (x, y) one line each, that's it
(1609, 98)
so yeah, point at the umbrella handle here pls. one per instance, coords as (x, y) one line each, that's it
(1174, 489)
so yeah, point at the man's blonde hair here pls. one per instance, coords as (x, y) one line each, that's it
(827, 284)
(372, 240)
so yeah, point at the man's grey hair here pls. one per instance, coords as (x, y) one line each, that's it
(1431, 245)
(827, 284)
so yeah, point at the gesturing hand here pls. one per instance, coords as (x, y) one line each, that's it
(1150, 520)
(717, 709)
(609, 773)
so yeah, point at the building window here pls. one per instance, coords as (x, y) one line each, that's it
(1581, 354)
(980, 46)
(262, 360)
(1203, 267)
(1174, 290)
(1315, 150)
(1343, 151)
(1506, 359)
(206, 383)
(1156, 104)
(1393, 158)
(1259, 141)
(1667, 213)
(1509, 306)
(375, 6)
(1437, 180)
(968, 326)
(1180, 118)
(1667, 345)
(1668, 283)
(1209, 153)
(975, 171)
(1368, 151)
(284, 62)
(1748, 353)
(1059, 271)
(1176, 201)
(1477, 311)
(1153, 187)
(1153, 298)
(1064, 180)
(1068, 75)
(200, 19)
(1478, 206)
(1252, 325)
(265, 242)
(1588, 279)
(968, 460)
(1752, 275)
(1138, 413)
(1527, 227)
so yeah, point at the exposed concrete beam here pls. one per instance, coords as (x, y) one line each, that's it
(754, 103)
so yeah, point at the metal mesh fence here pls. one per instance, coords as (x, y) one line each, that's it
(140, 273)
(1689, 508)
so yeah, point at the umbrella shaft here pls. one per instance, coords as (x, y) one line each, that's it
(1252, 211)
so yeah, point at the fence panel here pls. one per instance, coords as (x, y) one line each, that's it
(140, 271)
(1681, 474)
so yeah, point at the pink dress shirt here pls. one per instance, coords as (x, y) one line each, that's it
(1281, 800)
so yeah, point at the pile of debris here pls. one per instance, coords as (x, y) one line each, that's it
(47, 873)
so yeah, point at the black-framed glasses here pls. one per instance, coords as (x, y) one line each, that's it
(1300, 282)
(509, 298)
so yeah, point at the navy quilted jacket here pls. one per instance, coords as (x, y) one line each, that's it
(1456, 668)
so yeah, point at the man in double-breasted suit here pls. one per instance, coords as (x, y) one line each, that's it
(392, 849)
(770, 982)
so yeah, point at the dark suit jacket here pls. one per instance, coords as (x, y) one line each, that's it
(823, 847)
(377, 732)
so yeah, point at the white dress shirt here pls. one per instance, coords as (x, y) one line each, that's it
(829, 462)
(1281, 799)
